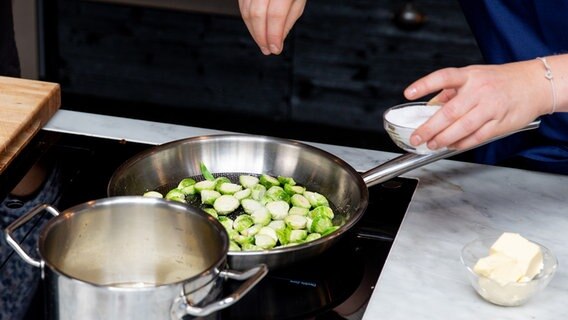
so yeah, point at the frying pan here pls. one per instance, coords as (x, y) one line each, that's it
(162, 167)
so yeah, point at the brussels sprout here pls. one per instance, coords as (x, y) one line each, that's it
(250, 205)
(242, 222)
(189, 190)
(251, 231)
(226, 222)
(204, 185)
(257, 192)
(321, 211)
(248, 181)
(219, 181)
(153, 194)
(175, 195)
(278, 209)
(186, 183)
(233, 246)
(187, 186)
(294, 189)
(205, 172)
(298, 211)
(268, 232)
(209, 197)
(261, 216)
(313, 236)
(265, 200)
(329, 230)
(243, 194)
(211, 211)
(225, 204)
(286, 180)
(229, 188)
(298, 235)
(298, 200)
(264, 242)
(296, 222)
(250, 247)
(320, 224)
(277, 193)
(268, 181)
(316, 199)
(277, 225)
(283, 235)
(232, 234)
(240, 239)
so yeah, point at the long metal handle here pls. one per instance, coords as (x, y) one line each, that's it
(181, 306)
(20, 222)
(410, 161)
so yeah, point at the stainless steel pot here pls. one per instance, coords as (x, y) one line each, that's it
(133, 258)
(163, 166)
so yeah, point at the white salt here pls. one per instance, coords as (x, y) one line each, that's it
(411, 116)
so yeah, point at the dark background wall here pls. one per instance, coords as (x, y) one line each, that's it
(343, 64)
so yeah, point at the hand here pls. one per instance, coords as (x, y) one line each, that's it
(480, 102)
(269, 21)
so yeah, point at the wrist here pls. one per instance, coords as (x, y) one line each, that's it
(549, 76)
(559, 66)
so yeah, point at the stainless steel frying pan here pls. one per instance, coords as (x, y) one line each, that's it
(163, 166)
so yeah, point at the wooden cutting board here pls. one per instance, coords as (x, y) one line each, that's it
(25, 107)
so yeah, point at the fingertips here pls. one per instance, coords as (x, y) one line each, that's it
(415, 139)
(436, 124)
(438, 80)
(411, 92)
(277, 14)
(257, 12)
(426, 131)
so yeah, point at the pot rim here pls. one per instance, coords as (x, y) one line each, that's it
(213, 270)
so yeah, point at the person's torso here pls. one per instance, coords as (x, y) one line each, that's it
(516, 30)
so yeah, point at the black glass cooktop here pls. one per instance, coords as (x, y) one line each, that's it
(335, 285)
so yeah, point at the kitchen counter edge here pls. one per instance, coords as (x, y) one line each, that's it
(455, 202)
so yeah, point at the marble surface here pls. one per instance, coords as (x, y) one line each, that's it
(455, 203)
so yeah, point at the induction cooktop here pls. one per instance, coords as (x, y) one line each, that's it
(335, 285)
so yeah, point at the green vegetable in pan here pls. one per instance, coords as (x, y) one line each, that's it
(258, 213)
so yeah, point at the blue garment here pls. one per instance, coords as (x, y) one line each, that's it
(516, 30)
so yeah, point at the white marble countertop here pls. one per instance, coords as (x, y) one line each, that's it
(454, 203)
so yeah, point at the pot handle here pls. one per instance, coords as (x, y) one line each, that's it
(410, 161)
(20, 222)
(181, 307)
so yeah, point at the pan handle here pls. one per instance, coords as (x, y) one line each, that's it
(410, 161)
(181, 306)
(20, 222)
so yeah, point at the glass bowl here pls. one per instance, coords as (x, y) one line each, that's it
(512, 294)
(401, 126)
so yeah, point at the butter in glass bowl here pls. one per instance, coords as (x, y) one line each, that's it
(508, 270)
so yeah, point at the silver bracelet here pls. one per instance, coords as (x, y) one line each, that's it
(548, 75)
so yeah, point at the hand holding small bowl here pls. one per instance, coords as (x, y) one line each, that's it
(401, 120)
